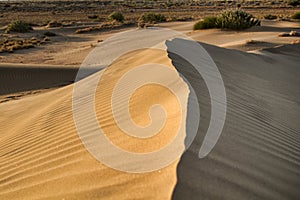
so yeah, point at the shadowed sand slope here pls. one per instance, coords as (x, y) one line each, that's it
(42, 157)
(258, 153)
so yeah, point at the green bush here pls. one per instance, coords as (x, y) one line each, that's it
(18, 26)
(228, 19)
(296, 15)
(208, 22)
(152, 18)
(270, 17)
(236, 20)
(116, 16)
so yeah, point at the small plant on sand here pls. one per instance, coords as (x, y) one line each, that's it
(18, 26)
(296, 15)
(206, 23)
(117, 16)
(152, 18)
(237, 20)
(270, 17)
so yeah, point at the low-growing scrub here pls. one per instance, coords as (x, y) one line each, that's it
(206, 23)
(180, 18)
(229, 19)
(237, 20)
(103, 26)
(117, 16)
(296, 15)
(152, 18)
(18, 26)
(12, 44)
(270, 17)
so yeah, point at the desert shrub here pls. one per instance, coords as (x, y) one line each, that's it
(18, 26)
(208, 22)
(294, 2)
(116, 16)
(270, 17)
(228, 19)
(152, 18)
(236, 20)
(296, 15)
(12, 44)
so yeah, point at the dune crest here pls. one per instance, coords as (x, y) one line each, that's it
(42, 156)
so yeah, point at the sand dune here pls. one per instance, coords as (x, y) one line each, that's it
(257, 156)
(42, 156)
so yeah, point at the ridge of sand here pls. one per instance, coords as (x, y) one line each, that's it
(42, 156)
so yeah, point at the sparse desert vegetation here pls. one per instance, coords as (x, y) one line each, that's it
(207, 23)
(296, 15)
(18, 26)
(229, 19)
(151, 18)
(236, 20)
(103, 26)
(270, 17)
(118, 16)
(12, 44)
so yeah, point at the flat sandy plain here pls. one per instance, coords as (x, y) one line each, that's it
(256, 157)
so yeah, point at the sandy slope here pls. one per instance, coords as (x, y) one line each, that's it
(42, 156)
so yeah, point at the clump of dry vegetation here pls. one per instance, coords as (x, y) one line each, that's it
(18, 26)
(237, 20)
(207, 23)
(117, 16)
(103, 26)
(270, 17)
(151, 18)
(229, 19)
(12, 44)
